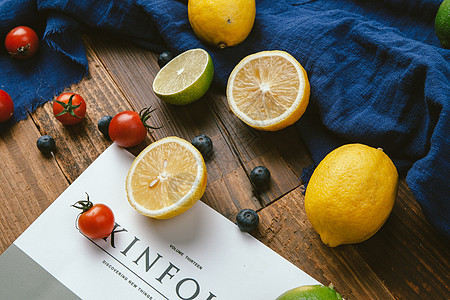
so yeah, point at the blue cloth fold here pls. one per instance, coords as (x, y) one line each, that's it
(377, 71)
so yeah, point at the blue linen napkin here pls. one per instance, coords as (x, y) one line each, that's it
(378, 74)
(35, 81)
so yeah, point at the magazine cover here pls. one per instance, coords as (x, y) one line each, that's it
(197, 255)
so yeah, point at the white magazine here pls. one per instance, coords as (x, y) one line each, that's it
(197, 255)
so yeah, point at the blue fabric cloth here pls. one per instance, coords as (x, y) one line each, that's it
(377, 71)
(35, 81)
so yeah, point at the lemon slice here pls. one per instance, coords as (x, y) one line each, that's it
(166, 178)
(185, 78)
(268, 90)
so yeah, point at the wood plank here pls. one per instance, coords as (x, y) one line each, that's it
(29, 181)
(282, 152)
(285, 229)
(237, 147)
(134, 70)
(406, 259)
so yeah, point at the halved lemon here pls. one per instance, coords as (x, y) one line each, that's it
(166, 178)
(186, 78)
(268, 90)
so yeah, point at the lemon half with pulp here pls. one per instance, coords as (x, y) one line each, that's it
(268, 90)
(166, 178)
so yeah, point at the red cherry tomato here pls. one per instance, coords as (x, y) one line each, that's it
(96, 221)
(129, 128)
(69, 108)
(22, 42)
(6, 106)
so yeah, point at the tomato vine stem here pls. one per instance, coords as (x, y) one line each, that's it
(144, 115)
(84, 205)
(68, 107)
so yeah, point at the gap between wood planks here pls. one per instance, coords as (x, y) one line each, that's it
(93, 53)
(234, 149)
(53, 156)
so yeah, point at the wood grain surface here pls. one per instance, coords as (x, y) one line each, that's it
(406, 259)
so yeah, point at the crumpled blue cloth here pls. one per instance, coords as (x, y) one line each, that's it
(377, 71)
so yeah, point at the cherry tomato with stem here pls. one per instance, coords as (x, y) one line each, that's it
(6, 106)
(69, 108)
(96, 221)
(22, 42)
(129, 128)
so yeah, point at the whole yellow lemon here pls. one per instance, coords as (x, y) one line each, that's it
(223, 23)
(351, 194)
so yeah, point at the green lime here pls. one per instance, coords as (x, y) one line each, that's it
(310, 292)
(185, 78)
(442, 23)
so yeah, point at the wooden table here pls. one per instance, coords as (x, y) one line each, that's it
(406, 259)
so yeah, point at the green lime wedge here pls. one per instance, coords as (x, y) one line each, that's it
(442, 24)
(186, 78)
(311, 292)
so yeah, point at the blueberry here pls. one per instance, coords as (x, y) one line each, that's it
(260, 176)
(164, 58)
(103, 125)
(247, 220)
(46, 144)
(203, 143)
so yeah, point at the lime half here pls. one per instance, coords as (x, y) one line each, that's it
(311, 292)
(185, 78)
